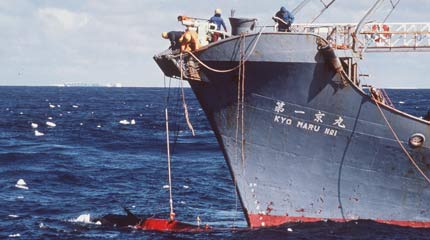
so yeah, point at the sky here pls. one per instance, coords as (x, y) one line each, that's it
(51, 42)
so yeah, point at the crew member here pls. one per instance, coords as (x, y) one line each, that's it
(284, 20)
(189, 41)
(174, 37)
(217, 19)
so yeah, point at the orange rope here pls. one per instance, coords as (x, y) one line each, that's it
(400, 143)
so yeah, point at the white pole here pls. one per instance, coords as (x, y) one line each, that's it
(172, 214)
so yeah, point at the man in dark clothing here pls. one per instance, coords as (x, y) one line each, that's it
(287, 19)
(173, 36)
(217, 19)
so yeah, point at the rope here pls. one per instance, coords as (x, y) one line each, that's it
(400, 143)
(187, 119)
(237, 124)
(172, 213)
(242, 103)
(234, 68)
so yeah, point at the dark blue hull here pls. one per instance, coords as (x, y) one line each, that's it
(313, 149)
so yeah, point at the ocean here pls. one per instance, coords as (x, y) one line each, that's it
(107, 151)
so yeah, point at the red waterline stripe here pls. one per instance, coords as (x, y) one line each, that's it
(257, 220)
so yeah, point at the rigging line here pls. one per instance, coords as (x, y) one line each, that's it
(393, 7)
(236, 67)
(184, 104)
(326, 6)
(400, 143)
(300, 7)
(237, 128)
(242, 55)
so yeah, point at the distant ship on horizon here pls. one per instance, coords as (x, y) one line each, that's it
(82, 84)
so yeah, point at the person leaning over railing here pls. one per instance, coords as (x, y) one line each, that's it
(284, 19)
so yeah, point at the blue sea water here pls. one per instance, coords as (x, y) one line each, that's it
(89, 163)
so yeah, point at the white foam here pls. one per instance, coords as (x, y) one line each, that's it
(51, 106)
(42, 226)
(132, 122)
(12, 215)
(166, 186)
(141, 115)
(99, 126)
(98, 223)
(84, 218)
(20, 197)
(38, 134)
(58, 105)
(186, 187)
(401, 102)
(14, 235)
(21, 184)
(81, 124)
(124, 122)
(34, 125)
(50, 118)
(21, 113)
(60, 114)
(50, 124)
(75, 106)
(289, 230)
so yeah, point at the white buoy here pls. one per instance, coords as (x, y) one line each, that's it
(38, 134)
(124, 122)
(21, 184)
(34, 125)
(132, 122)
(51, 124)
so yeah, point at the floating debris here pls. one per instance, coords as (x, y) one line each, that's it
(99, 126)
(34, 125)
(132, 122)
(124, 122)
(51, 106)
(51, 124)
(50, 118)
(38, 134)
(166, 186)
(15, 235)
(186, 187)
(289, 230)
(75, 106)
(21, 184)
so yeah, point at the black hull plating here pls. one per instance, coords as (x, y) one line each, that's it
(313, 150)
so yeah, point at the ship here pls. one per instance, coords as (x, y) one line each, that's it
(303, 139)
